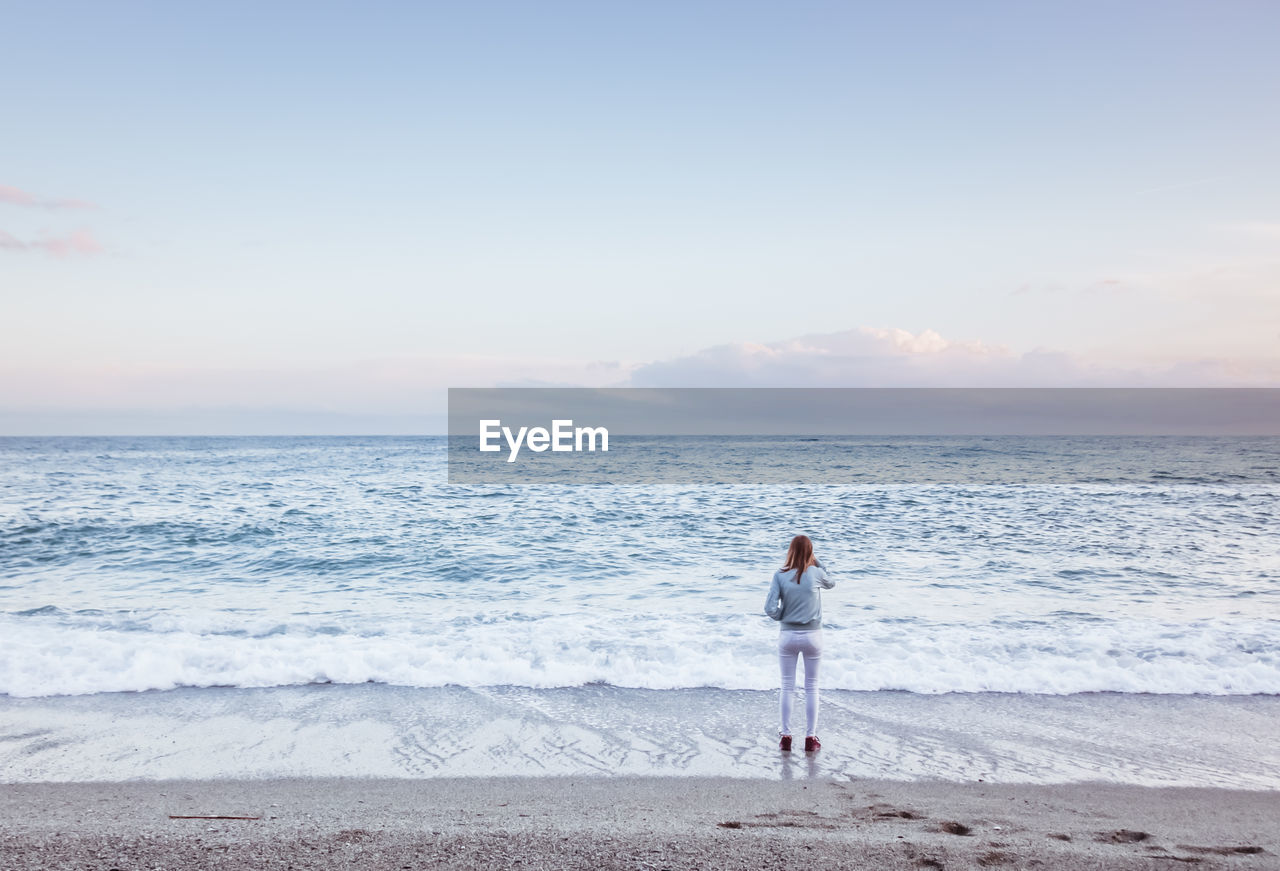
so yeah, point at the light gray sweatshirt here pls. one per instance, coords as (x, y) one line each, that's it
(798, 606)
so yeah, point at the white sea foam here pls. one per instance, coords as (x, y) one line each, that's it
(44, 658)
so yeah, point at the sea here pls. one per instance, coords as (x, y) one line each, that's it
(148, 585)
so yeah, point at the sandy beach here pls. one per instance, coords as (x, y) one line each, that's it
(599, 777)
(631, 823)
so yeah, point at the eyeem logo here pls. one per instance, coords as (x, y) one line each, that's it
(563, 436)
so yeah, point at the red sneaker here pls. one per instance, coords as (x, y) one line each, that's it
(784, 742)
(812, 744)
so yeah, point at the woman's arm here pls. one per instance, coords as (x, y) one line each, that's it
(825, 577)
(773, 603)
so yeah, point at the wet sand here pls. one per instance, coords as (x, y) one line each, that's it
(626, 822)
(380, 731)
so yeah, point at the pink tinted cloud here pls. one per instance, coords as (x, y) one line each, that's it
(81, 243)
(16, 197)
(873, 357)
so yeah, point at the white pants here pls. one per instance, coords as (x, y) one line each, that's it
(792, 644)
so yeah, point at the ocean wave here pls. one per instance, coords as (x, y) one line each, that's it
(1047, 657)
(130, 565)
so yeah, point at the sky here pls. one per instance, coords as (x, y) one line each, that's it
(296, 217)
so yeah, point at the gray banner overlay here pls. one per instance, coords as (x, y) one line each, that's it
(858, 435)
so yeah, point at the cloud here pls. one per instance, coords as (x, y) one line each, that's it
(875, 357)
(862, 357)
(80, 242)
(408, 394)
(16, 197)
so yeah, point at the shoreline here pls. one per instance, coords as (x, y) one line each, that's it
(632, 822)
(382, 731)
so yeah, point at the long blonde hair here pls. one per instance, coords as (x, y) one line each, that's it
(799, 556)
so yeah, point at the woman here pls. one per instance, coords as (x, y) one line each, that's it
(794, 600)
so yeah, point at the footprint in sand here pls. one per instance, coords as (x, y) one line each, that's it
(885, 812)
(1122, 836)
(1222, 851)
